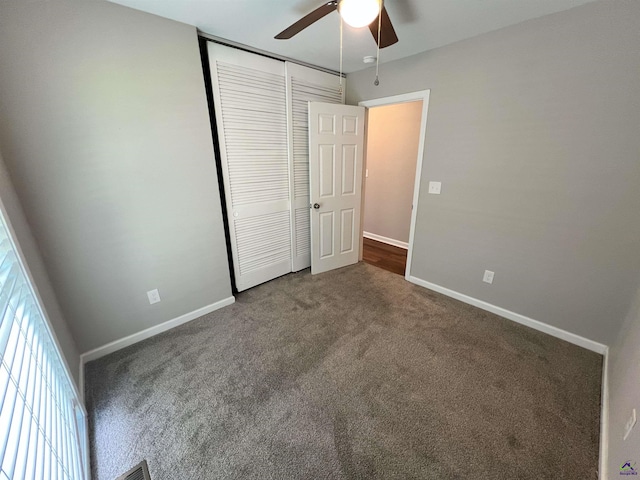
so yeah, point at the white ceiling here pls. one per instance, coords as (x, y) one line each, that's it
(420, 24)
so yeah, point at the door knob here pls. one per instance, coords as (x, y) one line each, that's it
(316, 206)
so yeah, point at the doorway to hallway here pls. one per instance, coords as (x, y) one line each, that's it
(393, 141)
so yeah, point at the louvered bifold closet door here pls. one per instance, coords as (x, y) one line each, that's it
(304, 85)
(250, 106)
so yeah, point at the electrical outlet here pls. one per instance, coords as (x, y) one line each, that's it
(366, 173)
(154, 296)
(488, 276)
(435, 187)
(630, 424)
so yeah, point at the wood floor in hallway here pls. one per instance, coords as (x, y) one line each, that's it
(383, 255)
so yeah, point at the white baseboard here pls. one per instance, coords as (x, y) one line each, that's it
(387, 240)
(516, 317)
(149, 332)
(604, 419)
(81, 381)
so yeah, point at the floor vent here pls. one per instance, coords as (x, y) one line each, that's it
(139, 472)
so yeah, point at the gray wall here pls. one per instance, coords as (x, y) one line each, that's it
(393, 134)
(624, 390)
(105, 131)
(42, 284)
(533, 132)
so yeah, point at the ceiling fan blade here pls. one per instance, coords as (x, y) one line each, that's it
(307, 20)
(387, 32)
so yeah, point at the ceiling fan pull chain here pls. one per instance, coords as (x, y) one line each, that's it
(341, 54)
(377, 80)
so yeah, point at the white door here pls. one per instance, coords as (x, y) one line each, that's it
(336, 144)
(251, 112)
(304, 85)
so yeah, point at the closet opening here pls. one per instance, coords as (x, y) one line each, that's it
(259, 113)
(206, 71)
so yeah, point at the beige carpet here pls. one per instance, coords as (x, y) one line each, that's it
(352, 374)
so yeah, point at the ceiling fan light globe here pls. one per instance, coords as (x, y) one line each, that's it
(359, 13)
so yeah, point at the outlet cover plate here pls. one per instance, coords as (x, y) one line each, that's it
(154, 296)
(435, 187)
(488, 276)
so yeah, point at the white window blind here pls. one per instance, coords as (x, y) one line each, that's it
(39, 428)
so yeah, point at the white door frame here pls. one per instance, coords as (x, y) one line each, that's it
(405, 98)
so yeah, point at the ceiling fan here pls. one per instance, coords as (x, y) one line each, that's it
(357, 13)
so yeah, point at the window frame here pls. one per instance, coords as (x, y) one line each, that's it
(79, 408)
